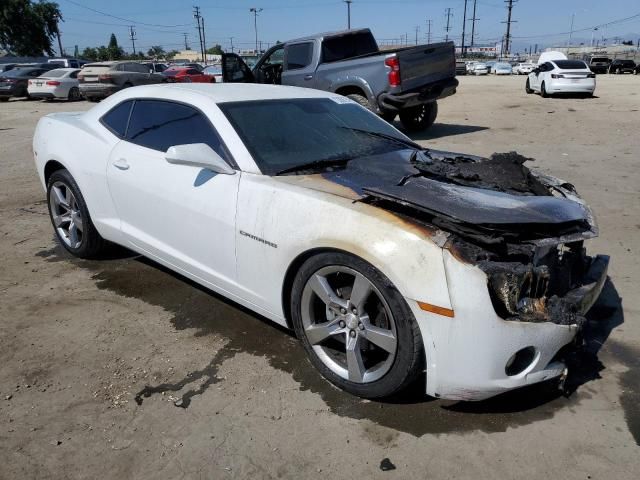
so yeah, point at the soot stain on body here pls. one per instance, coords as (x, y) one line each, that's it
(412, 412)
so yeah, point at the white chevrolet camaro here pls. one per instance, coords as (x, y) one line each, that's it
(387, 259)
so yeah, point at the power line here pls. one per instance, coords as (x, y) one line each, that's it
(128, 20)
(448, 27)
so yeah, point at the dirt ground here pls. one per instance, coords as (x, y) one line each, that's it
(120, 369)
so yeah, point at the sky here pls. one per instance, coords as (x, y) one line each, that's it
(89, 23)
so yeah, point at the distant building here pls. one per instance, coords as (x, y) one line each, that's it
(488, 50)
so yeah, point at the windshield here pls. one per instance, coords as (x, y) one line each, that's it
(286, 133)
(570, 64)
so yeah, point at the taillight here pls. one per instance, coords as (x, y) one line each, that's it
(53, 83)
(556, 75)
(394, 75)
(30, 82)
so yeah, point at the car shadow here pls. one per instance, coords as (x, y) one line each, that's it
(439, 130)
(203, 312)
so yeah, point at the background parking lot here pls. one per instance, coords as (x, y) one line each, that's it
(121, 369)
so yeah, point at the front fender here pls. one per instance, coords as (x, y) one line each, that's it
(279, 221)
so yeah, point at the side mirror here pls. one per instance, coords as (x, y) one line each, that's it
(198, 155)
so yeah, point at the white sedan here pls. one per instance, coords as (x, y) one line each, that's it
(480, 68)
(388, 260)
(58, 83)
(561, 76)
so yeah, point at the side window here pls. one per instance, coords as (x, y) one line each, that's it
(193, 71)
(548, 67)
(158, 125)
(74, 74)
(276, 57)
(120, 67)
(299, 55)
(117, 118)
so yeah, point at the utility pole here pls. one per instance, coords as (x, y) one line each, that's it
(573, 17)
(348, 2)
(255, 12)
(429, 23)
(507, 38)
(417, 30)
(464, 24)
(186, 43)
(231, 38)
(197, 16)
(473, 23)
(132, 36)
(204, 42)
(448, 27)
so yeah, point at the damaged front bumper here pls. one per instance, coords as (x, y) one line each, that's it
(478, 354)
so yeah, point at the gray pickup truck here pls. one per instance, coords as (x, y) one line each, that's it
(403, 81)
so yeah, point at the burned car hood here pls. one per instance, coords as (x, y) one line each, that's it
(496, 195)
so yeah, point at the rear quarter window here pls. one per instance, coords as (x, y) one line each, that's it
(117, 119)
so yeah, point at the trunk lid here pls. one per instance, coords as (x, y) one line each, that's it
(426, 64)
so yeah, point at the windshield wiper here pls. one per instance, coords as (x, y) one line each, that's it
(316, 164)
(384, 136)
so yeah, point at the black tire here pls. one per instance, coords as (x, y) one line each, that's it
(543, 91)
(527, 87)
(408, 362)
(4, 99)
(418, 119)
(389, 116)
(361, 99)
(74, 94)
(127, 85)
(92, 245)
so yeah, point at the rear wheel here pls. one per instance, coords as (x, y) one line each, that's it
(356, 327)
(417, 119)
(527, 87)
(74, 94)
(543, 91)
(361, 99)
(70, 217)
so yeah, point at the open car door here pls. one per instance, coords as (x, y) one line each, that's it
(235, 70)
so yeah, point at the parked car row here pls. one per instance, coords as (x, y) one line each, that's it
(64, 79)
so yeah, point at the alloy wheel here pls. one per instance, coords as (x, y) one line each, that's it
(349, 324)
(66, 215)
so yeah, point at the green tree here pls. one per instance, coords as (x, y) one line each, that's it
(28, 28)
(156, 51)
(103, 53)
(215, 50)
(115, 51)
(90, 54)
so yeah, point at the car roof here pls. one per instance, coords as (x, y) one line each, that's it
(230, 92)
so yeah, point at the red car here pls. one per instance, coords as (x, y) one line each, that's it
(187, 75)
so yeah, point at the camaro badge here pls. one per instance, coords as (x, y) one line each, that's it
(258, 239)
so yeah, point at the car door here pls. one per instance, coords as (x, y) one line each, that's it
(534, 77)
(181, 215)
(299, 67)
(235, 70)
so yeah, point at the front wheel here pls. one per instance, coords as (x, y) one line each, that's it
(417, 119)
(355, 326)
(70, 217)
